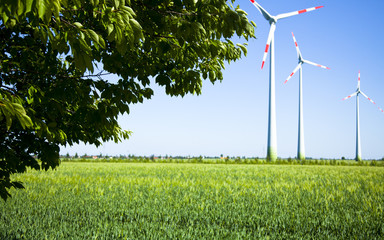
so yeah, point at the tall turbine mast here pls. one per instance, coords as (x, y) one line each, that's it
(358, 91)
(300, 144)
(272, 141)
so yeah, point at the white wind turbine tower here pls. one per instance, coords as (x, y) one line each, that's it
(272, 142)
(300, 145)
(358, 91)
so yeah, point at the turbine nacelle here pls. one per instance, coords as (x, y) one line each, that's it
(301, 59)
(272, 20)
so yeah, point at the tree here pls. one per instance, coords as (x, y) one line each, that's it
(56, 56)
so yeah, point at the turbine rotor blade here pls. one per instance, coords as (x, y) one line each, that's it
(358, 81)
(270, 36)
(381, 110)
(285, 15)
(367, 97)
(315, 64)
(294, 71)
(297, 46)
(353, 94)
(266, 15)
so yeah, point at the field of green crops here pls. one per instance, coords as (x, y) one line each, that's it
(196, 201)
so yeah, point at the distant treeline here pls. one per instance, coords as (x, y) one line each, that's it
(218, 160)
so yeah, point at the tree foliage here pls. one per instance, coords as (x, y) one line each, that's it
(52, 91)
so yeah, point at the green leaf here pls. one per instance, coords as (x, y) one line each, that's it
(117, 3)
(101, 42)
(201, 28)
(243, 48)
(56, 9)
(20, 8)
(12, 23)
(28, 5)
(241, 11)
(5, 17)
(8, 120)
(93, 36)
(42, 8)
(163, 80)
(129, 10)
(110, 28)
(78, 25)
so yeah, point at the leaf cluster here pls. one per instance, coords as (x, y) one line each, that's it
(52, 92)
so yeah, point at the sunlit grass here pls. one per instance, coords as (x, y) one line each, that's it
(138, 200)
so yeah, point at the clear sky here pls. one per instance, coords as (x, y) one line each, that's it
(231, 117)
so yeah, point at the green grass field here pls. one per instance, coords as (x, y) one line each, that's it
(196, 201)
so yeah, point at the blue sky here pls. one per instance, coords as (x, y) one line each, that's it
(230, 117)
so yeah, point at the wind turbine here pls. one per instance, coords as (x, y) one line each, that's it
(300, 145)
(358, 91)
(272, 143)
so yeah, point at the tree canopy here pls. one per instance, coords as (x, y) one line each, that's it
(55, 54)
